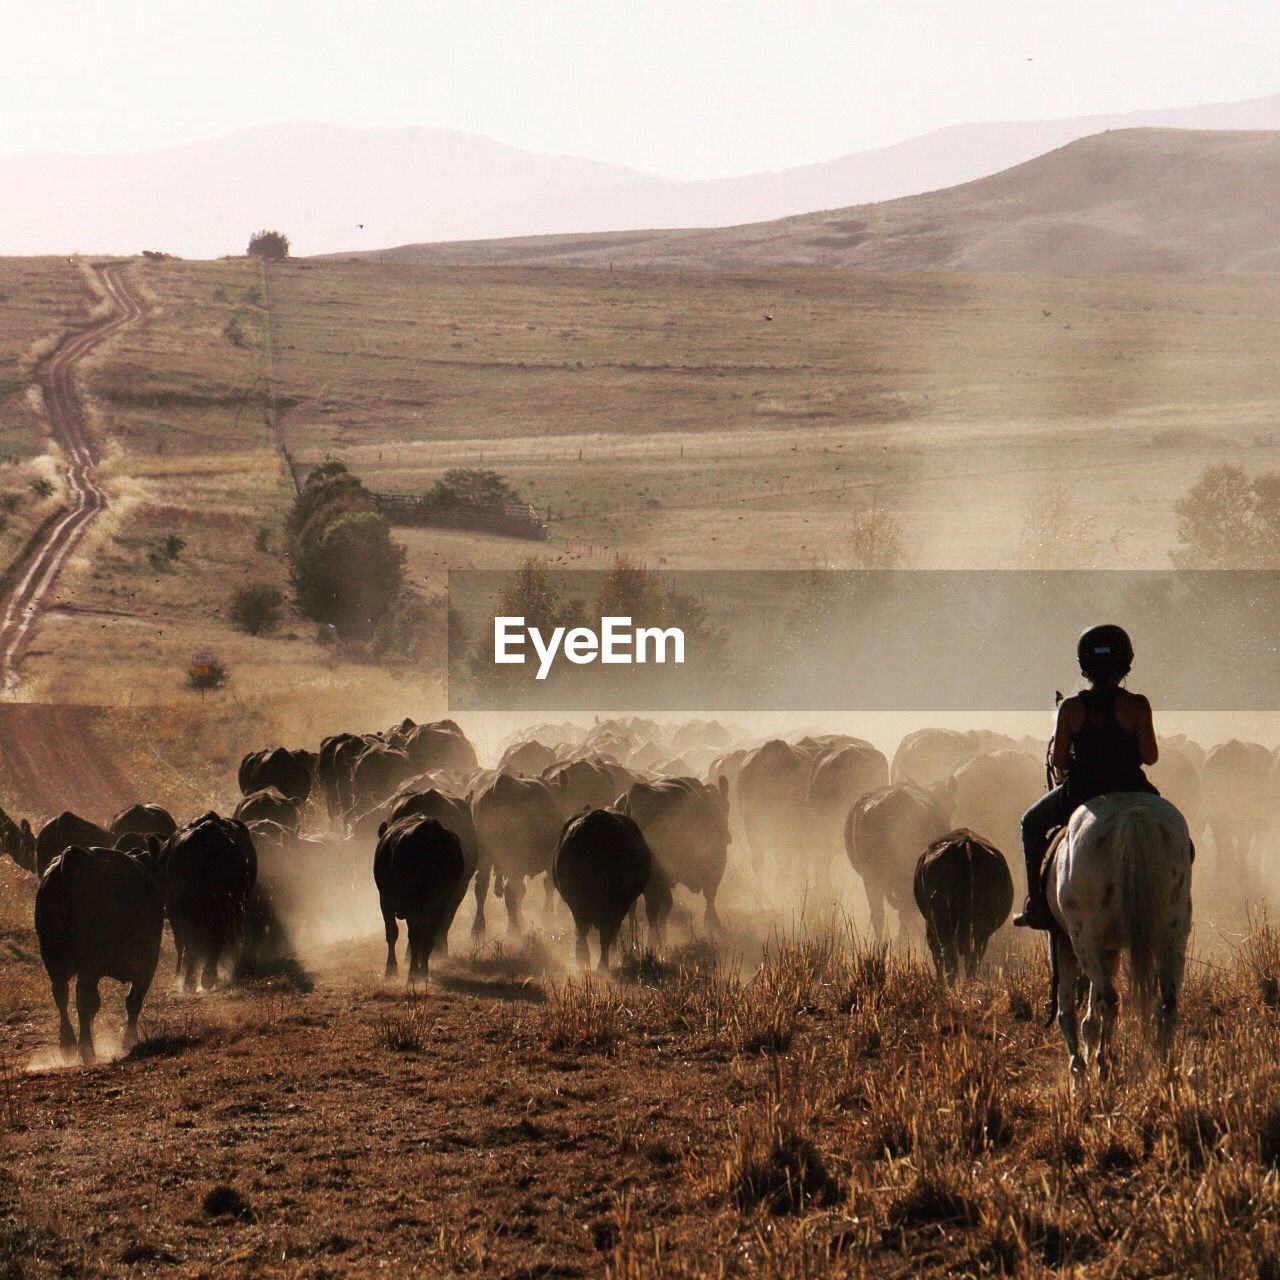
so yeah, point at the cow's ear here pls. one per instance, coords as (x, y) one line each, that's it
(25, 827)
(382, 830)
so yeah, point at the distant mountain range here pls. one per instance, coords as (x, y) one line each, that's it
(1133, 200)
(333, 188)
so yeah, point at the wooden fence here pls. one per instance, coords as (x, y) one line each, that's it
(511, 520)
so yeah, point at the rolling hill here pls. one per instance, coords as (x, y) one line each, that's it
(1133, 200)
(334, 188)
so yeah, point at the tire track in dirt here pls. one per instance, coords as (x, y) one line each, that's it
(33, 579)
(49, 757)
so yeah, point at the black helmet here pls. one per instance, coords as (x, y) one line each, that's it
(1104, 650)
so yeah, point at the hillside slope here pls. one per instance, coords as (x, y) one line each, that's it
(334, 188)
(1134, 200)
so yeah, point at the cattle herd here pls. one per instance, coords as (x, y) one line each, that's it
(623, 811)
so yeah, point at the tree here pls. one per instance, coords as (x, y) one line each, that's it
(418, 632)
(1228, 521)
(255, 609)
(349, 574)
(1057, 533)
(629, 590)
(469, 487)
(271, 245)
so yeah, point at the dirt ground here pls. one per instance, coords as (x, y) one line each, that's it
(793, 1103)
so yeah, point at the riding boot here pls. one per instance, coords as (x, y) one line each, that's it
(1035, 912)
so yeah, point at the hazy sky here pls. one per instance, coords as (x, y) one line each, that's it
(688, 88)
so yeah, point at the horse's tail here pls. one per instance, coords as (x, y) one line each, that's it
(1138, 840)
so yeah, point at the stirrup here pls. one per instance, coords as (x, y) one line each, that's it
(1034, 915)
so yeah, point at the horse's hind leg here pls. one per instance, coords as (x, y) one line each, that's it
(1169, 979)
(1068, 974)
(1104, 1003)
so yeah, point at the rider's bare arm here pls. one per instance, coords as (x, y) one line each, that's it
(1145, 731)
(1063, 731)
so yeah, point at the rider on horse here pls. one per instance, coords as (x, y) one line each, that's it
(1103, 737)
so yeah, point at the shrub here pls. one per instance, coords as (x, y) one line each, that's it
(469, 487)
(42, 486)
(262, 539)
(349, 573)
(165, 551)
(234, 332)
(255, 608)
(271, 245)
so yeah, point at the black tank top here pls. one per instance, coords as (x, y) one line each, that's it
(1104, 755)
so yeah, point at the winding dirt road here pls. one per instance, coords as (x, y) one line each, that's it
(48, 754)
(33, 579)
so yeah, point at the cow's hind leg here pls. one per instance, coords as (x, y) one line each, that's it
(420, 937)
(132, 1008)
(513, 892)
(608, 936)
(87, 1005)
(711, 919)
(59, 983)
(212, 953)
(481, 891)
(392, 934)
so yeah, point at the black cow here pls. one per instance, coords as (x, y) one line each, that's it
(418, 867)
(965, 893)
(518, 824)
(291, 772)
(62, 832)
(143, 820)
(686, 825)
(98, 915)
(602, 865)
(208, 870)
(454, 815)
(333, 770)
(376, 775)
(268, 805)
(439, 746)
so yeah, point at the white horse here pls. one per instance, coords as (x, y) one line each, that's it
(1120, 882)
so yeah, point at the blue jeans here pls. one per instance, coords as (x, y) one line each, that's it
(1050, 811)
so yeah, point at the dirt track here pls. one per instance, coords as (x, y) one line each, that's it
(34, 578)
(43, 749)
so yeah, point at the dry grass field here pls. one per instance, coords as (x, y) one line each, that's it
(793, 1103)
(704, 427)
(660, 415)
